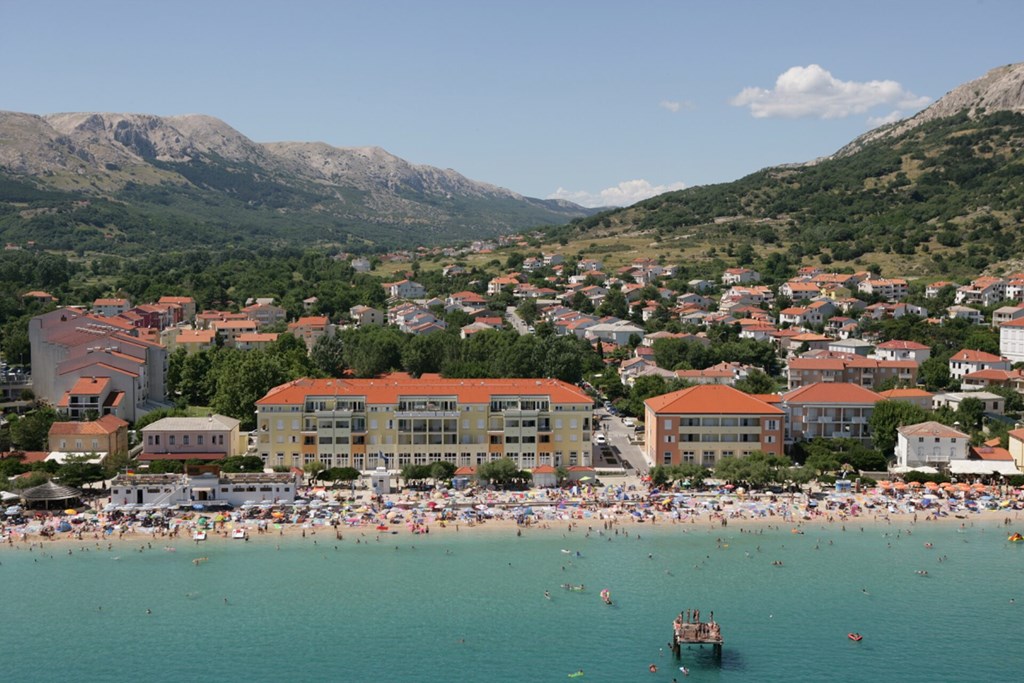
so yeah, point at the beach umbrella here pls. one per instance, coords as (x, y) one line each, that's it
(71, 511)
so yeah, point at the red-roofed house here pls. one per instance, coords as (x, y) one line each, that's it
(899, 349)
(108, 308)
(829, 410)
(108, 434)
(966, 361)
(310, 328)
(706, 423)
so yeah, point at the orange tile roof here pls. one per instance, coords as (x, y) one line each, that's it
(90, 386)
(932, 428)
(897, 344)
(991, 453)
(196, 337)
(832, 392)
(108, 424)
(971, 356)
(891, 394)
(710, 399)
(387, 390)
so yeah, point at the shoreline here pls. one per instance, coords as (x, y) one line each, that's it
(1010, 520)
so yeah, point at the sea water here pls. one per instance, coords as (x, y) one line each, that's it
(470, 606)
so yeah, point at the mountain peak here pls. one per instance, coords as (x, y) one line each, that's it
(1001, 89)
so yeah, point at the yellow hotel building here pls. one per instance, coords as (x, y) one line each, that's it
(396, 420)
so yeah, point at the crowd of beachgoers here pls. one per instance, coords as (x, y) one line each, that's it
(336, 512)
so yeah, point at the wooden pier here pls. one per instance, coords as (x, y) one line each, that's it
(688, 629)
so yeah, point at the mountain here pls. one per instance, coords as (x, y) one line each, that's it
(941, 192)
(137, 181)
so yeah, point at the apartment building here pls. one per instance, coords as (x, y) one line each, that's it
(829, 410)
(396, 420)
(704, 424)
(866, 372)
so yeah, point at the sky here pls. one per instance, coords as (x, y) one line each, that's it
(602, 103)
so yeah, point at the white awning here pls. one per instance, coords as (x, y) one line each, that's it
(983, 467)
(903, 469)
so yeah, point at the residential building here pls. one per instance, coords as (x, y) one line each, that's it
(866, 372)
(993, 403)
(890, 289)
(70, 349)
(254, 341)
(740, 276)
(983, 291)
(898, 349)
(829, 410)
(405, 289)
(265, 314)
(108, 308)
(918, 397)
(192, 438)
(971, 315)
(1011, 340)
(361, 264)
(193, 341)
(967, 361)
(929, 444)
(230, 330)
(106, 435)
(618, 333)
(186, 303)
(707, 423)
(310, 328)
(366, 315)
(396, 420)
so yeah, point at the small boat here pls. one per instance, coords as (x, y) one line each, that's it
(240, 533)
(1015, 538)
(606, 595)
(855, 637)
(571, 587)
(199, 536)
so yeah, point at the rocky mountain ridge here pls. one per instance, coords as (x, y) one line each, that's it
(119, 156)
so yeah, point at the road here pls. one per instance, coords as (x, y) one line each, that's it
(623, 453)
(518, 324)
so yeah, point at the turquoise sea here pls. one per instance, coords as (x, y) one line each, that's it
(471, 607)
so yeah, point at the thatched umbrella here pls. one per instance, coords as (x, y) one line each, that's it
(49, 492)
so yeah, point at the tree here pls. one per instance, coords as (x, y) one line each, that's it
(243, 380)
(77, 470)
(756, 382)
(501, 473)
(243, 463)
(934, 373)
(328, 356)
(528, 310)
(29, 432)
(887, 417)
(614, 304)
(969, 413)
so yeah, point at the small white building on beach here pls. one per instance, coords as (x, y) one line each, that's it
(204, 488)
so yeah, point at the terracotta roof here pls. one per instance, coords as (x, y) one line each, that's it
(196, 337)
(970, 356)
(832, 392)
(388, 389)
(904, 393)
(991, 453)
(899, 344)
(90, 386)
(465, 471)
(710, 399)
(108, 424)
(931, 428)
(544, 469)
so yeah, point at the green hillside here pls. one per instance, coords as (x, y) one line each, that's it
(945, 197)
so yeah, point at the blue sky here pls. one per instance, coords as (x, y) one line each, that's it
(599, 102)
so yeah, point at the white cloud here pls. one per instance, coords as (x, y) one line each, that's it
(813, 91)
(674, 106)
(625, 193)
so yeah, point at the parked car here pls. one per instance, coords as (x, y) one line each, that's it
(629, 422)
(600, 439)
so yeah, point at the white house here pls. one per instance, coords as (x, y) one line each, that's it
(967, 361)
(929, 444)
